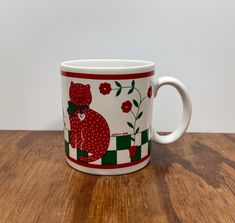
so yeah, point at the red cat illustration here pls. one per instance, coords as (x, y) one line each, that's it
(89, 130)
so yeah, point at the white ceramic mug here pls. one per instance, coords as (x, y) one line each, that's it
(107, 108)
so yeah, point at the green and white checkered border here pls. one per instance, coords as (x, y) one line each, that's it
(117, 152)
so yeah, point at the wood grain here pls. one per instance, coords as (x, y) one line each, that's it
(192, 180)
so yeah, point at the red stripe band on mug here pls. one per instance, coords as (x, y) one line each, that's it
(113, 166)
(107, 76)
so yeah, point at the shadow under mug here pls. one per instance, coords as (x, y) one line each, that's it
(108, 109)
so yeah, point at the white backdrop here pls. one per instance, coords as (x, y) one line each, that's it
(190, 40)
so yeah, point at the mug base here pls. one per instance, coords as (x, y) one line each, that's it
(117, 171)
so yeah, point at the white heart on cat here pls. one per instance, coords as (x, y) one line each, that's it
(81, 116)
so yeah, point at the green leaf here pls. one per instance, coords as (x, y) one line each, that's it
(118, 84)
(133, 83)
(130, 125)
(132, 139)
(131, 90)
(135, 103)
(140, 114)
(137, 130)
(118, 92)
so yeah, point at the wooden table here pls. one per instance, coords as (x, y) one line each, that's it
(192, 180)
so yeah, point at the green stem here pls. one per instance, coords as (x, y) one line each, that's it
(134, 124)
(139, 93)
(143, 99)
(133, 114)
(138, 109)
(120, 87)
(115, 89)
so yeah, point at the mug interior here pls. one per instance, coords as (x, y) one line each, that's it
(107, 66)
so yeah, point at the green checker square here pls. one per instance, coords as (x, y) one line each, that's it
(144, 136)
(138, 154)
(110, 157)
(81, 153)
(149, 147)
(69, 135)
(66, 145)
(123, 142)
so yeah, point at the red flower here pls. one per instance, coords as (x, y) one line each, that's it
(105, 88)
(132, 151)
(150, 92)
(126, 106)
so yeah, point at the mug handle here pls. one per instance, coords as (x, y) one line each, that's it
(187, 110)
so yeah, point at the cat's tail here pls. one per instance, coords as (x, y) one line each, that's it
(90, 158)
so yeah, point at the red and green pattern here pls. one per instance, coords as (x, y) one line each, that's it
(118, 153)
(133, 107)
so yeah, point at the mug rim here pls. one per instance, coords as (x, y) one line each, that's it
(107, 66)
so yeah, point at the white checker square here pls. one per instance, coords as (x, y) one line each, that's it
(96, 162)
(123, 156)
(144, 150)
(112, 144)
(66, 135)
(72, 152)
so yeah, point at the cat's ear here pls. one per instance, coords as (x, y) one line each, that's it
(72, 83)
(88, 86)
